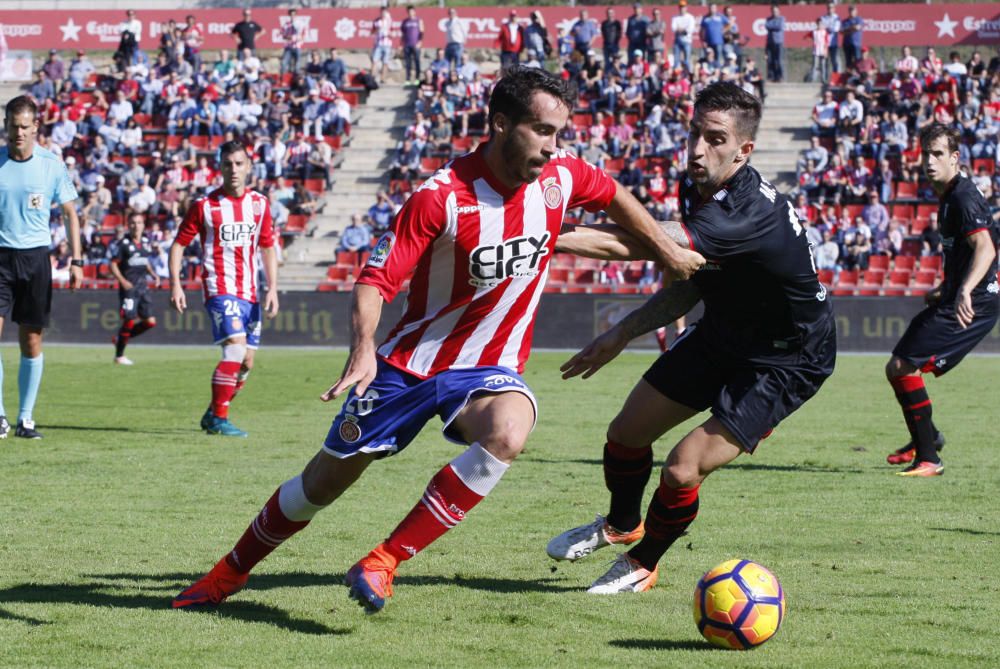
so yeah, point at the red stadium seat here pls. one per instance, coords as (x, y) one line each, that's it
(894, 291)
(337, 273)
(584, 276)
(826, 277)
(854, 210)
(980, 163)
(199, 142)
(906, 190)
(296, 224)
(869, 291)
(558, 274)
(873, 277)
(925, 210)
(878, 263)
(917, 225)
(925, 277)
(903, 212)
(899, 277)
(315, 185)
(931, 262)
(905, 262)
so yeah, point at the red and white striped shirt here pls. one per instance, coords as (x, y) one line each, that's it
(231, 231)
(480, 253)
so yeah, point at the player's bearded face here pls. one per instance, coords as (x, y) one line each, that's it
(528, 146)
(715, 149)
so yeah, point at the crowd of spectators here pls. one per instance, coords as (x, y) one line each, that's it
(140, 134)
(860, 182)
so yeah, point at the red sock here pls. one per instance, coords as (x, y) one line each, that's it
(224, 387)
(142, 326)
(124, 333)
(444, 504)
(267, 531)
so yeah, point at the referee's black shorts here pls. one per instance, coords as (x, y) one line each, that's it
(749, 397)
(26, 286)
(935, 343)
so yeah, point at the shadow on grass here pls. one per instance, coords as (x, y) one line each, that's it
(112, 595)
(966, 530)
(662, 644)
(7, 615)
(812, 469)
(124, 430)
(565, 461)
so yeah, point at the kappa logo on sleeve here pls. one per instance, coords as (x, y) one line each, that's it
(380, 254)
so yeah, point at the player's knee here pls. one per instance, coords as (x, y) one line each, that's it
(504, 446)
(151, 322)
(234, 352)
(620, 431)
(681, 475)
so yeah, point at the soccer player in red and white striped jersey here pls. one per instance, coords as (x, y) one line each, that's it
(477, 237)
(232, 222)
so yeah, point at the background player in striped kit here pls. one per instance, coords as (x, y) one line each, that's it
(131, 268)
(479, 234)
(233, 223)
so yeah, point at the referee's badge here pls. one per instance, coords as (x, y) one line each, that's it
(552, 193)
(36, 201)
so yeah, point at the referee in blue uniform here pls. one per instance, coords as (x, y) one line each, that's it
(32, 181)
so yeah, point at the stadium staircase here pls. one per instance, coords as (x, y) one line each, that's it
(376, 128)
(784, 131)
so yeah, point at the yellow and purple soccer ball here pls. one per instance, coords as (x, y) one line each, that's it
(738, 605)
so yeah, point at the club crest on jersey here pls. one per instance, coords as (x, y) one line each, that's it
(380, 254)
(490, 264)
(258, 207)
(552, 193)
(237, 324)
(349, 430)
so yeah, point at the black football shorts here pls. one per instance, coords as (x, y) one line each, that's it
(26, 286)
(935, 343)
(749, 397)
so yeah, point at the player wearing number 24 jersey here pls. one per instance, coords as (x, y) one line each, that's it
(233, 223)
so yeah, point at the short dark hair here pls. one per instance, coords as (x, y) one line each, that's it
(231, 147)
(725, 96)
(21, 103)
(512, 94)
(934, 131)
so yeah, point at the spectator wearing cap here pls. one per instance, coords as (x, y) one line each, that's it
(80, 70)
(411, 37)
(611, 34)
(775, 47)
(713, 27)
(635, 29)
(865, 64)
(683, 26)
(511, 40)
(853, 29)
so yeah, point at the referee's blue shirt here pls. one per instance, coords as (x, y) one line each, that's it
(28, 190)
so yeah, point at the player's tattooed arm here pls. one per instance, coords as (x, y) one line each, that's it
(664, 307)
(611, 242)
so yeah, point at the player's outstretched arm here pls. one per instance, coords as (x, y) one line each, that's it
(366, 310)
(666, 306)
(612, 242)
(678, 261)
(270, 257)
(177, 298)
(983, 255)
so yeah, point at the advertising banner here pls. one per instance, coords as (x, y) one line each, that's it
(564, 321)
(884, 25)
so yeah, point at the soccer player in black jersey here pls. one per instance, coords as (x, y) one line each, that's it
(131, 268)
(960, 312)
(764, 346)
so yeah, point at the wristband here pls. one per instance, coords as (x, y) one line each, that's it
(76, 263)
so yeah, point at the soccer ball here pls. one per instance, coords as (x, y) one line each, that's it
(738, 605)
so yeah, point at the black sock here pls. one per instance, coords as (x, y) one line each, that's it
(670, 512)
(626, 473)
(916, 404)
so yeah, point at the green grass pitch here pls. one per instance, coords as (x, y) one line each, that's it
(124, 502)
